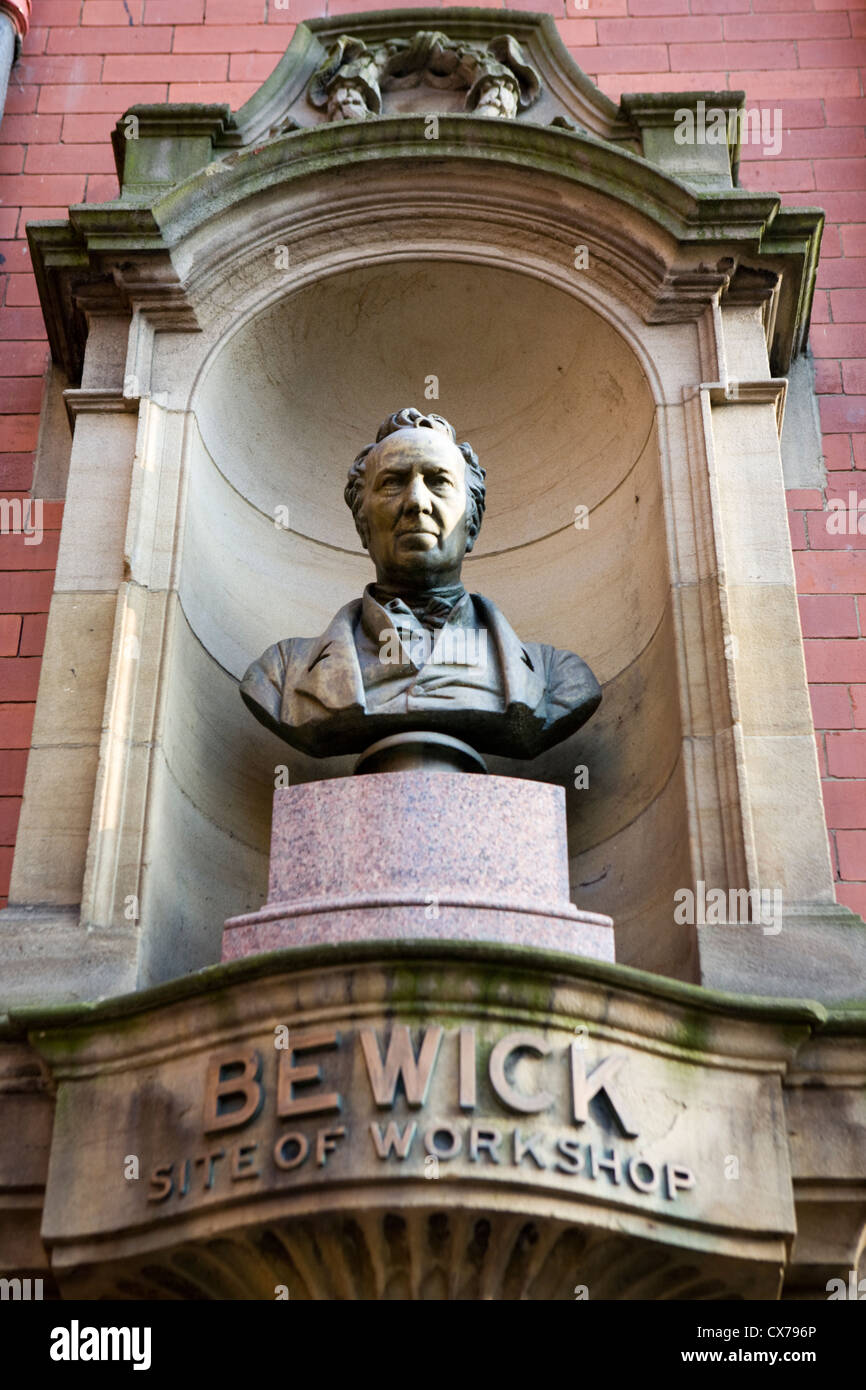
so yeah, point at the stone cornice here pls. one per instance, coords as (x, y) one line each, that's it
(96, 402)
(183, 165)
(802, 1015)
(136, 244)
(104, 259)
(577, 156)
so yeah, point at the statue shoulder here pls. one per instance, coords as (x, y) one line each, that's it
(285, 661)
(273, 664)
(266, 679)
(570, 681)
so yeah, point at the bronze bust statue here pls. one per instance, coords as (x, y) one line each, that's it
(416, 652)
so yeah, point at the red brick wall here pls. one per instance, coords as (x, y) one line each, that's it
(85, 61)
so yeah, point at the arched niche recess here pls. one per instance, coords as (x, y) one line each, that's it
(563, 417)
(608, 319)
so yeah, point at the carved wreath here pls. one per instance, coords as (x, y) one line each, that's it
(497, 79)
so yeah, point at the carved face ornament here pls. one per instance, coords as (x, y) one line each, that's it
(498, 98)
(346, 102)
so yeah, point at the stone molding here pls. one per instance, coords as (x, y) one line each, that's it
(705, 236)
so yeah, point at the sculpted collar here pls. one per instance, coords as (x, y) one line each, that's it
(332, 672)
(434, 608)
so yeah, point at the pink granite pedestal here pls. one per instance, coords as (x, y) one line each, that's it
(411, 855)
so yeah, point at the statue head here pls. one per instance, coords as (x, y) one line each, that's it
(347, 101)
(417, 497)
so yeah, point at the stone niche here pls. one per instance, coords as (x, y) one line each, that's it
(561, 414)
(607, 319)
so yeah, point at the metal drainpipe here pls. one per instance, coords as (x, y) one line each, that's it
(14, 23)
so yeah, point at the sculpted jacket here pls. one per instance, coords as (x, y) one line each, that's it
(310, 692)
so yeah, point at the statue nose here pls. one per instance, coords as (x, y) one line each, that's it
(417, 498)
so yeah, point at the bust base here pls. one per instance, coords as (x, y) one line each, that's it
(414, 855)
(422, 751)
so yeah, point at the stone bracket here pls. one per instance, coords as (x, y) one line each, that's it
(664, 117)
(732, 392)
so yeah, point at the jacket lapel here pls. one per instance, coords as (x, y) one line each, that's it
(332, 674)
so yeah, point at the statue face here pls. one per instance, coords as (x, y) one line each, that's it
(346, 103)
(498, 99)
(414, 509)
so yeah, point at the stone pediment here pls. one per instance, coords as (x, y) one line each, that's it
(438, 61)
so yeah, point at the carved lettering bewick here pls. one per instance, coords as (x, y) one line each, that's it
(290, 1076)
(234, 1087)
(402, 1066)
(233, 1095)
(497, 79)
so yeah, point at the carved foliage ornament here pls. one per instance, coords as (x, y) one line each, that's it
(496, 77)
